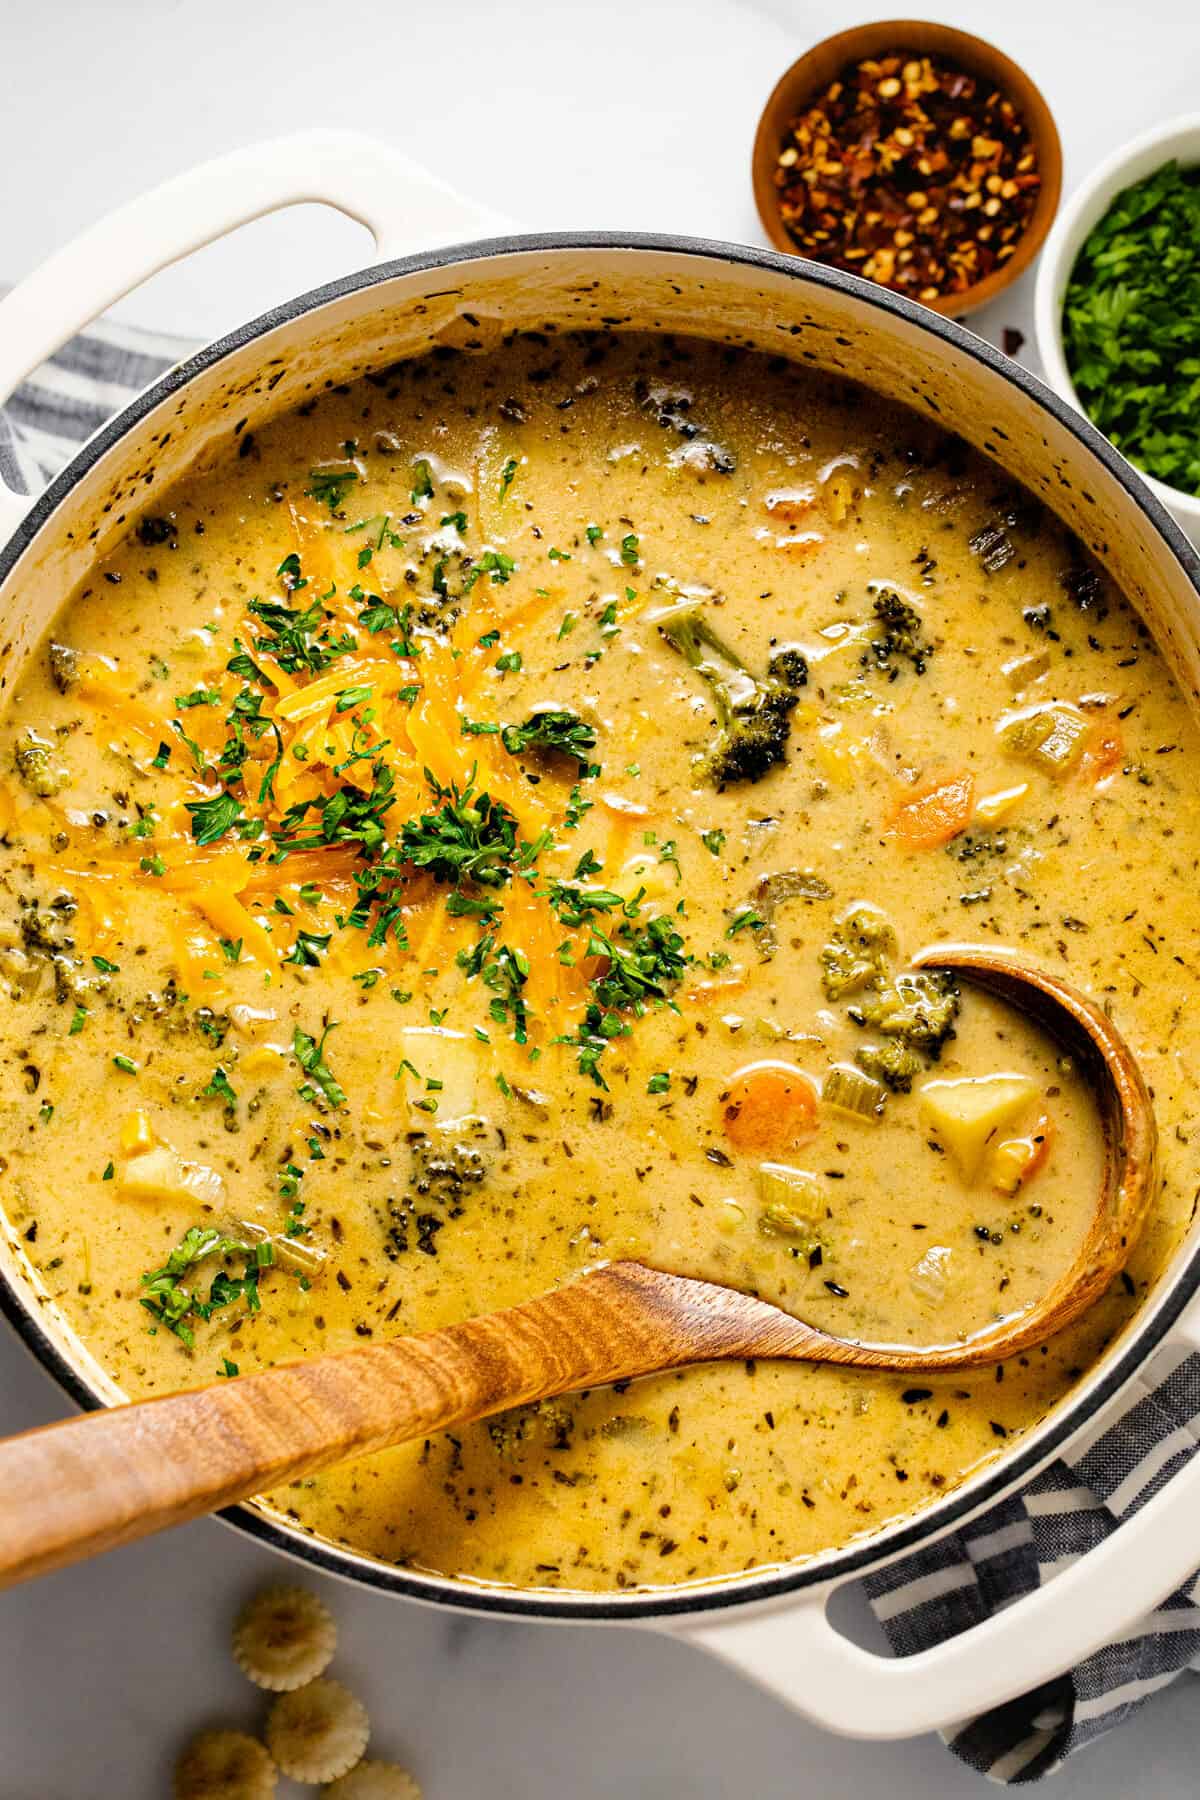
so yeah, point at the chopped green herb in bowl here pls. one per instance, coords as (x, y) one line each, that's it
(1131, 325)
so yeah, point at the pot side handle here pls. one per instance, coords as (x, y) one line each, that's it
(794, 1652)
(402, 205)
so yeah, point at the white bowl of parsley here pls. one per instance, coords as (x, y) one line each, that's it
(1117, 309)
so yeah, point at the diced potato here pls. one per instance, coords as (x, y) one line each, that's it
(440, 1055)
(967, 1113)
(161, 1173)
(994, 808)
(136, 1134)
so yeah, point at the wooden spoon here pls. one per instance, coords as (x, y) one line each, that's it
(70, 1490)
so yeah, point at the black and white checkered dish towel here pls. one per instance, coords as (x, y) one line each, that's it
(966, 1577)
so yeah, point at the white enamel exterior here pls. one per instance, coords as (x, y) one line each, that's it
(403, 207)
(474, 298)
(1178, 139)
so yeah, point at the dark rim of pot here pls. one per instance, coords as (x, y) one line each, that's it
(1008, 1473)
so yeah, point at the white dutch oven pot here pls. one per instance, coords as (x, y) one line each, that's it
(772, 1623)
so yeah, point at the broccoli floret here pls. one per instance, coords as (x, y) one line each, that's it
(64, 666)
(790, 666)
(892, 1063)
(753, 713)
(900, 635)
(40, 766)
(545, 1425)
(857, 954)
(916, 1012)
(440, 1176)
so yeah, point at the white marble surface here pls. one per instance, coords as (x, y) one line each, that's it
(625, 113)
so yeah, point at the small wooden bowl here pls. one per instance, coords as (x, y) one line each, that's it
(819, 66)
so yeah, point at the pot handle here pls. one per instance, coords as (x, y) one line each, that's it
(795, 1653)
(402, 205)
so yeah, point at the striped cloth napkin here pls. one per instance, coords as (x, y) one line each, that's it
(966, 1577)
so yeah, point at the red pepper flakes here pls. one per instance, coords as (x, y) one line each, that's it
(911, 171)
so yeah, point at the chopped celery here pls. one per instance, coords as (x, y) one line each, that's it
(853, 1092)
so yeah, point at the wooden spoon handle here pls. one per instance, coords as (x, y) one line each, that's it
(71, 1490)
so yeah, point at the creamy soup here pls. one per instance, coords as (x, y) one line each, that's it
(480, 829)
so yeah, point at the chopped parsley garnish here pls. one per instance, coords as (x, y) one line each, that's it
(494, 563)
(310, 1054)
(641, 964)
(211, 819)
(745, 919)
(553, 729)
(171, 1304)
(199, 760)
(219, 1088)
(508, 474)
(470, 837)
(347, 817)
(422, 487)
(504, 969)
(297, 638)
(630, 550)
(1131, 323)
(330, 486)
(308, 948)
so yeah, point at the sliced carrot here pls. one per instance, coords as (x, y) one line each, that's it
(707, 993)
(769, 1109)
(934, 814)
(1103, 757)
